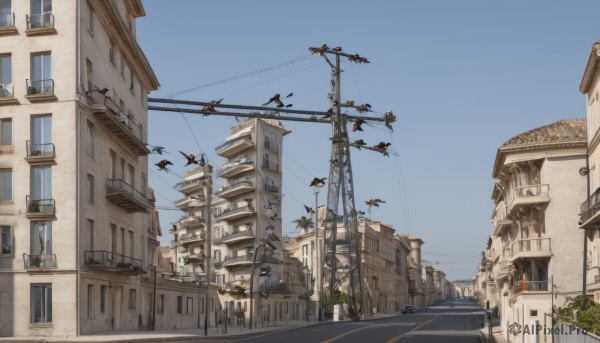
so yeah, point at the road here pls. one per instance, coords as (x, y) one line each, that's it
(450, 322)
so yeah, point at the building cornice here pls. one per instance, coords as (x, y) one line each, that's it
(591, 69)
(136, 8)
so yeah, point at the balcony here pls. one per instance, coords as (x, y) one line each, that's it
(276, 287)
(590, 211)
(7, 23)
(190, 186)
(41, 261)
(270, 165)
(194, 257)
(118, 122)
(40, 24)
(235, 189)
(40, 90)
(501, 219)
(236, 213)
(593, 276)
(271, 188)
(501, 269)
(192, 238)
(235, 237)
(7, 95)
(530, 248)
(271, 145)
(234, 147)
(40, 208)
(528, 195)
(237, 261)
(523, 286)
(124, 195)
(109, 261)
(234, 168)
(39, 153)
(190, 202)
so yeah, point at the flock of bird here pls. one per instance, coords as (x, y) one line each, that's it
(164, 163)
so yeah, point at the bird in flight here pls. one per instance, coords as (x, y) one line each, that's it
(158, 149)
(382, 148)
(275, 99)
(374, 202)
(162, 165)
(357, 125)
(191, 158)
(389, 118)
(316, 182)
(289, 95)
(309, 209)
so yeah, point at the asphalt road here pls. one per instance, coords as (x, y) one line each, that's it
(450, 322)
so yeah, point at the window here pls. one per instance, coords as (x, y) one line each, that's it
(5, 72)
(131, 244)
(91, 134)
(90, 234)
(6, 18)
(217, 256)
(41, 182)
(41, 238)
(90, 301)
(90, 19)
(41, 135)
(6, 132)
(131, 82)
(41, 74)
(6, 239)
(305, 255)
(113, 165)
(190, 305)
(5, 184)
(103, 299)
(41, 13)
(179, 304)
(132, 299)
(41, 304)
(89, 75)
(160, 307)
(90, 187)
(113, 238)
(111, 52)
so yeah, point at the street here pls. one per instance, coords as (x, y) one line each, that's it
(449, 322)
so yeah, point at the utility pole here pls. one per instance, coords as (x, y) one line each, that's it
(207, 188)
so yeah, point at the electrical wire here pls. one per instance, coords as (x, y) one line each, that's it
(299, 164)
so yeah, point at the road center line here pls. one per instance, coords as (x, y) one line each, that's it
(333, 339)
(397, 338)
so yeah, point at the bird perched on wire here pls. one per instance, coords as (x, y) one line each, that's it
(158, 149)
(316, 182)
(382, 148)
(162, 165)
(359, 143)
(389, 118)
(210, 108)
(363, 108)
(275, 99)
(357, 125)
(347, 103)
(374, 202)
(191, 158)
(318, 51)
(309, 210)
(358, 59)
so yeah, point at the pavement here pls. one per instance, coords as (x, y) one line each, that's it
(497, 336)
(215, 334)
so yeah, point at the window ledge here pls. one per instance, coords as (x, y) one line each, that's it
(41, 325)
(8, 101)
(40, 97)
(40, 31)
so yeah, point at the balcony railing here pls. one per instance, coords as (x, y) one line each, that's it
(271, 145)
(235, 213)
(278, 287)
(235, 237)
(105, 260)
(531, 194)
(230, 261)
(233, 168)
(40, 87)
(6, 90)
(39, 208)
(124, 195)
(190, 186)
(39, 261)
(119, 122)
(593, 275)
(234, 189)
(271, 188)
(531, 247)
(231, 148)
(36, 21)
(590, 208)
(193, 237)
(530, 286)
(189, 200)
(7, 20)
(270, 165)
(39, 152)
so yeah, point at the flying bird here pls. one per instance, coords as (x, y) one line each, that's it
(374, 202)
(382, 148)
(289, 95)
(316, 182)
(191, 158)
(389, 118)
(276, 100)
(162, 165)
(357, 125)
(158, 149)
(359, 143)
(309, 209)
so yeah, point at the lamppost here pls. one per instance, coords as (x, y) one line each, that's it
(153, 268)
(265, 244)
(207, 189)
(319, 264)
(309, 288)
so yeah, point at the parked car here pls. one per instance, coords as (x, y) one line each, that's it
(409, 309)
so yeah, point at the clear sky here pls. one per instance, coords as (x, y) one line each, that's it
(461, 76)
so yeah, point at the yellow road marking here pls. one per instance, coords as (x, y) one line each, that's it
(397, 338)
(333, 339)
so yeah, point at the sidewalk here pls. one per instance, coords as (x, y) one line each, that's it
(184, 335)
(497, 336)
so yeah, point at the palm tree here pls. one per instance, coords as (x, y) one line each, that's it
(304, 223)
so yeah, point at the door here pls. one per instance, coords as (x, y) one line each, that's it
(41, 135)
(116, 308)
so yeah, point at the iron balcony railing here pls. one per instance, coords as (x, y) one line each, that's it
(227, 167)
(240, 234)
(196, 198)
(530, 245)
(591, 206)
(97, 98)
(186, 184)
(108, 260)
(271, 145)
(528, 191)
(231, 260)
(40, 206)
(278, 287)
(270, 165)
(271, 188)
(233, 186)
(530, 286)
(40, 87)
(120, 186)
(40, 150)
(35, 21)
(234, 211)
(39, 261)
(7, 20)
(230, 144)
(192, 237)
(6, 90)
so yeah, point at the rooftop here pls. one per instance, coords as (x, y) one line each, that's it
(563, 131)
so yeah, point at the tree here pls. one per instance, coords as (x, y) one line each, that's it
(304, 223)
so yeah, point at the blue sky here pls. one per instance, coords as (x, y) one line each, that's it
(462, 77)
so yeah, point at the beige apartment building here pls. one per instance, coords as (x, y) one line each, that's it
(590, 208)
(532, 258)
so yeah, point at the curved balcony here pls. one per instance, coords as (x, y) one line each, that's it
(501, 219)
(234, 168)
(39, 153)
(186, 202)
(190, 186)
(235, 237)
(235, 189)
(109, 261)
(40, 261)
(40, 24)
(528, 195)
(236, 213)
(590, 210)
(237, 261)
(234, 147)
(523, 286)
(124, 195)
(530, 248)
(192, 238)
(194, 257)
(40, 90)
(40, 208)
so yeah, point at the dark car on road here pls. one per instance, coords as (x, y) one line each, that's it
(409, 309)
